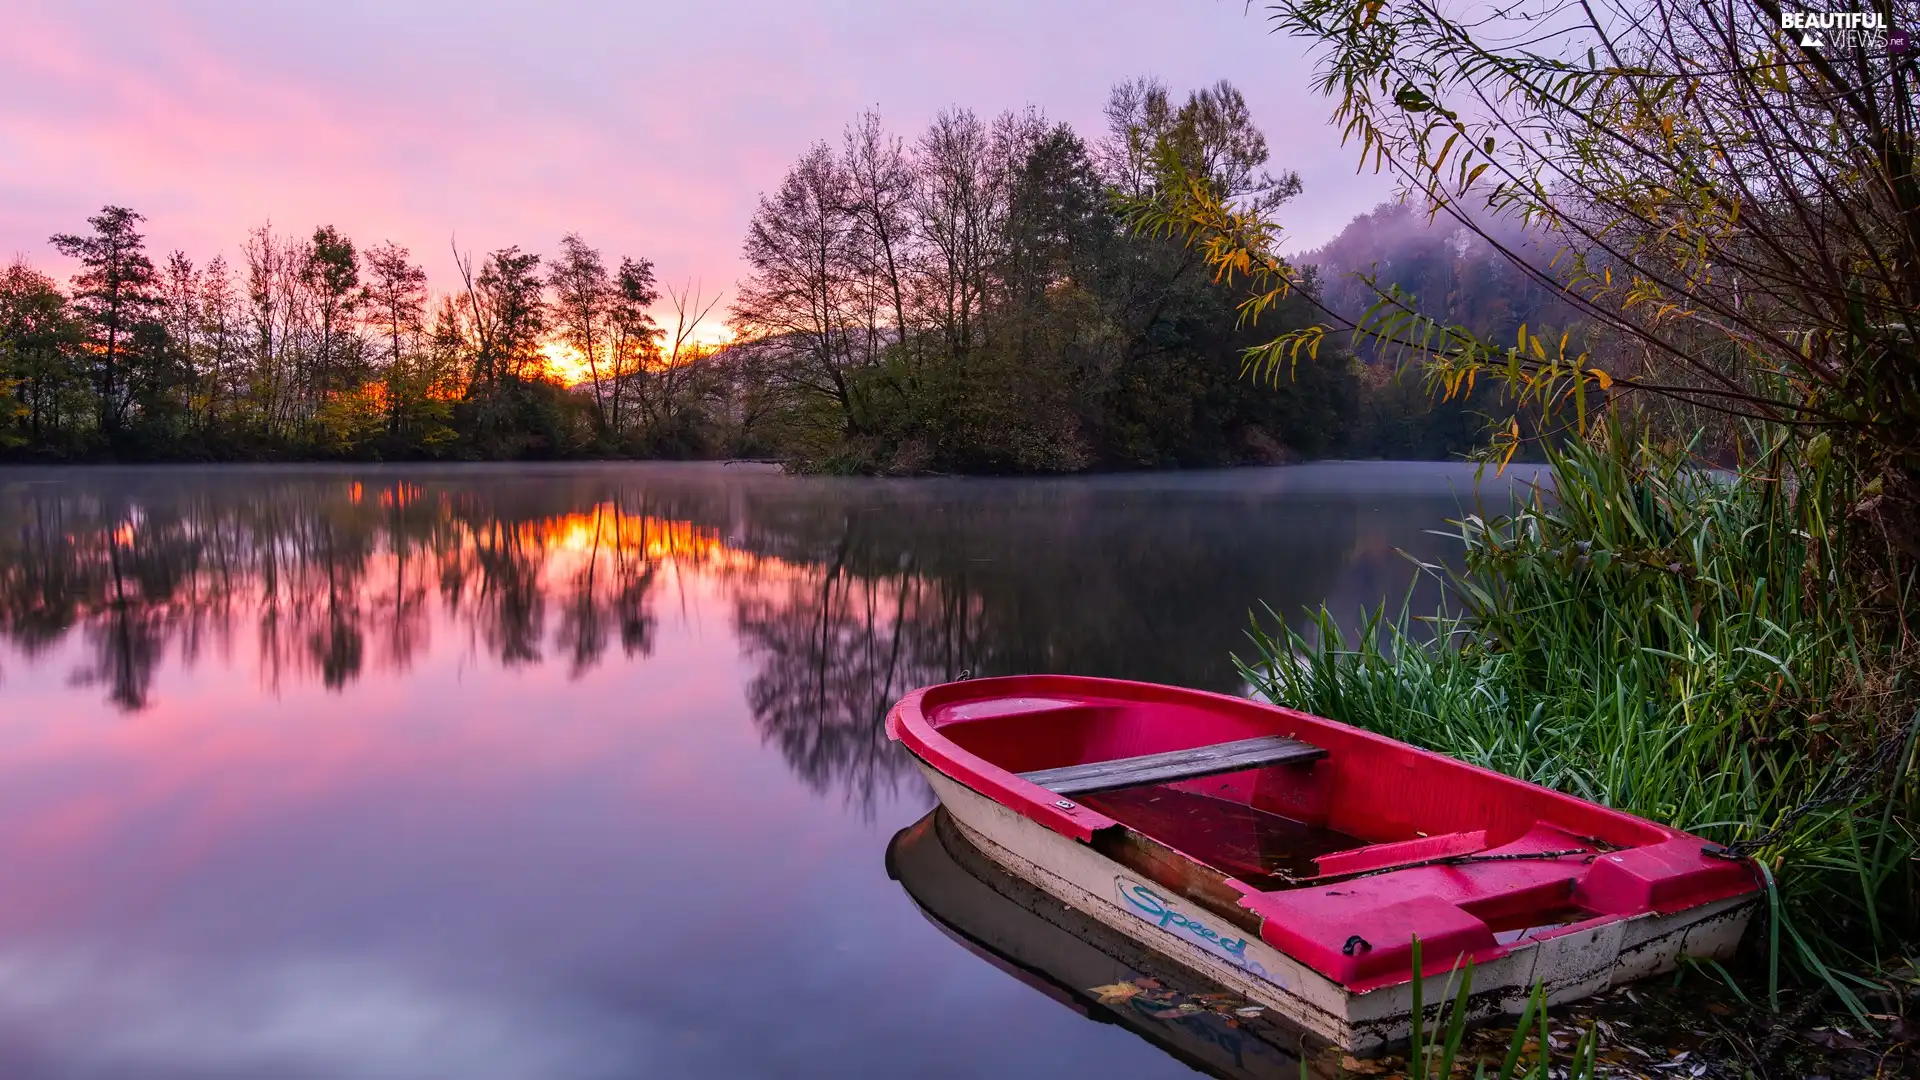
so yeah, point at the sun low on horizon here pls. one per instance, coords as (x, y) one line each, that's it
(566, 364)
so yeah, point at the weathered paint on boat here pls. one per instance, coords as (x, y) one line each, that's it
(1073, 959)
(1463, 858)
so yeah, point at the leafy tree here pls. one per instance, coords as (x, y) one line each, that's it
(511, 408)
(633, 335)
(970, 302)
(582, 295)
(396, 297)
(1733, 204)
(332, 274)
(158, 385)
(1211, 136)
(509, 311)
(39, 390)
(115, 293)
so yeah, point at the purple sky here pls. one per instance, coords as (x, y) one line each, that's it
(648, 127)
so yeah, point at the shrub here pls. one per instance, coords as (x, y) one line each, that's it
(1697, 647)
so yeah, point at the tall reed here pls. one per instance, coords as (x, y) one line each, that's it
(1693, 646)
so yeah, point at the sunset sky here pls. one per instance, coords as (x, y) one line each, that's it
(648, 127)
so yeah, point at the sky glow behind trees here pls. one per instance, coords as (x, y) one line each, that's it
(648, 128)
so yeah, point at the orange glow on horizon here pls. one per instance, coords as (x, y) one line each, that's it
(606, 528)
(564, 362)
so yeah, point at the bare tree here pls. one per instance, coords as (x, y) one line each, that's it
(180, 302)
(683, 351)
(1139, 114)
(277, 312)
(221, 374)
(881, 182)
(956, 205)
(802, 246)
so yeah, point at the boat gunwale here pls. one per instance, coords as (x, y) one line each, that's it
(910, 722)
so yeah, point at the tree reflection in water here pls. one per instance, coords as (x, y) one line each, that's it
(328, 575)
(842, 595)
(833, 650)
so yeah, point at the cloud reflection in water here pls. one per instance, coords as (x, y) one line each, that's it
(564, 771)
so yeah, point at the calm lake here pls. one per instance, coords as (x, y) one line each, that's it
(572, 771)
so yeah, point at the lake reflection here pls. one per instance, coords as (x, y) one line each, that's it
(568, 771)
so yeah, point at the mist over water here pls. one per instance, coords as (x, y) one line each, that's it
(572, 771)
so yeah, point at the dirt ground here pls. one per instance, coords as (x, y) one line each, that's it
(1697, 1024)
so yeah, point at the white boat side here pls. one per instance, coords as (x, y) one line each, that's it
(1569, 965)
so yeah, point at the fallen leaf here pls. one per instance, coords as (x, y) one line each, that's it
(1113, 993)
(1833, 1039)
(1365, 1068)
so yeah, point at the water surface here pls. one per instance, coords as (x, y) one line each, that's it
(571, 771)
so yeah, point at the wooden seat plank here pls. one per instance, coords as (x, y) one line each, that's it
(1188, 764)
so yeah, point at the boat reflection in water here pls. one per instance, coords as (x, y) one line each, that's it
(1086, 966)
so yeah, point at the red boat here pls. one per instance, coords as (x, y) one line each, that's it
(1295, 859)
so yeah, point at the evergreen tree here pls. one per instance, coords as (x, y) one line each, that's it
(116, 293)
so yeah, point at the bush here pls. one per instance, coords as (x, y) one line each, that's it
(1692, 646)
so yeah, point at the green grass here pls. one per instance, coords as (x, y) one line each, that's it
(1699, 648)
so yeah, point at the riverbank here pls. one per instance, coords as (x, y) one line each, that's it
(1706, 651)
(1698, 1024)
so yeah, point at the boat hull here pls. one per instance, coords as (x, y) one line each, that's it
(1569, 965)
(1088, 967)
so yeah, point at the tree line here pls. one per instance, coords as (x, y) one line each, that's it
(315, 347)
(972, 299)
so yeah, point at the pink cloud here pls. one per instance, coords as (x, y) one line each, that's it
(649, 128)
